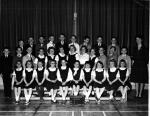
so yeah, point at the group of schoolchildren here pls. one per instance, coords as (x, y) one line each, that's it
(79, 69)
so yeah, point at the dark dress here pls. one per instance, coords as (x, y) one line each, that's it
(52, 76)
(64, 76)
(42, 60)
(112, 76)
(40, 88)
(99, 77)
(139, 73)
(65, 46)
(40, 75)
(76, 77)
(60, 59)
(50, 58)
(29, 78)
(92, 61)
(71, 60)
(19, 78)
(123, 77)
(87, 76)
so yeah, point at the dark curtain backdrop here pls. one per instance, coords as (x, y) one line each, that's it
(123, 19)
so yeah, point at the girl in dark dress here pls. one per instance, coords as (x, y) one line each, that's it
(139, 73)
(50, 56)
(52, 83)
(124, 79)
(41, 57)
(99, 76)
(29, 78)
(72, 56)
(77, 78)
(112, 78)
(17, 80)
(61, 56)
(64, 75)
(40, 79)
(87, 81)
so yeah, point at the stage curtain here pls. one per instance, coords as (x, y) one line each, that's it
(21, 19)
(123, 19)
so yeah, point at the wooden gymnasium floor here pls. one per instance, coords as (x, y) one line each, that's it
(133, 107)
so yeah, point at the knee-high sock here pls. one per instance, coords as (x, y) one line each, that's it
(101, 92)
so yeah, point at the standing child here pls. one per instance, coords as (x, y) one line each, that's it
(17, 80)
(87, 81)
(52, 83)
(99, 77)
(60, 56)
(77, 78)
(112, 78)
(41, 57)
(72, 56)
(40, 79)
(124, 79)
(29, 79)
(64, 75)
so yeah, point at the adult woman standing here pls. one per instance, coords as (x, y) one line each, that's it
(139, 73)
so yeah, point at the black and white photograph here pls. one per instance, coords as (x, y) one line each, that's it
(74, 57)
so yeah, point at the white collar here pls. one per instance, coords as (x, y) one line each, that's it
(113, 69)
(39, 69)
(19, 69)
(122, 68)
(63, 67)
(52, 69)
(87, 69)
(29, 69)
(99, 69)
(41, 56)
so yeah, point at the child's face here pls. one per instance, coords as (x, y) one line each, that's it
(18, 64)
(21, 43)
(41, 40)
(6, 51)
(51, 51)
(76, 64)
(29, 50)
(73, 39)
(19, 51)
(122, 64)
(29, 64)
(87, 66)
(51, 38)
(99, 65)
(62, 37)
(52, 64)
(92, 52)
(113, 41)
(72, 49)
(63, 63)
(41, 52)
(87, 40)
(123, 51)
(83, 50)
(101, 50)
(61, 50)
(40, 64)
(99, 40)
(112, 64)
